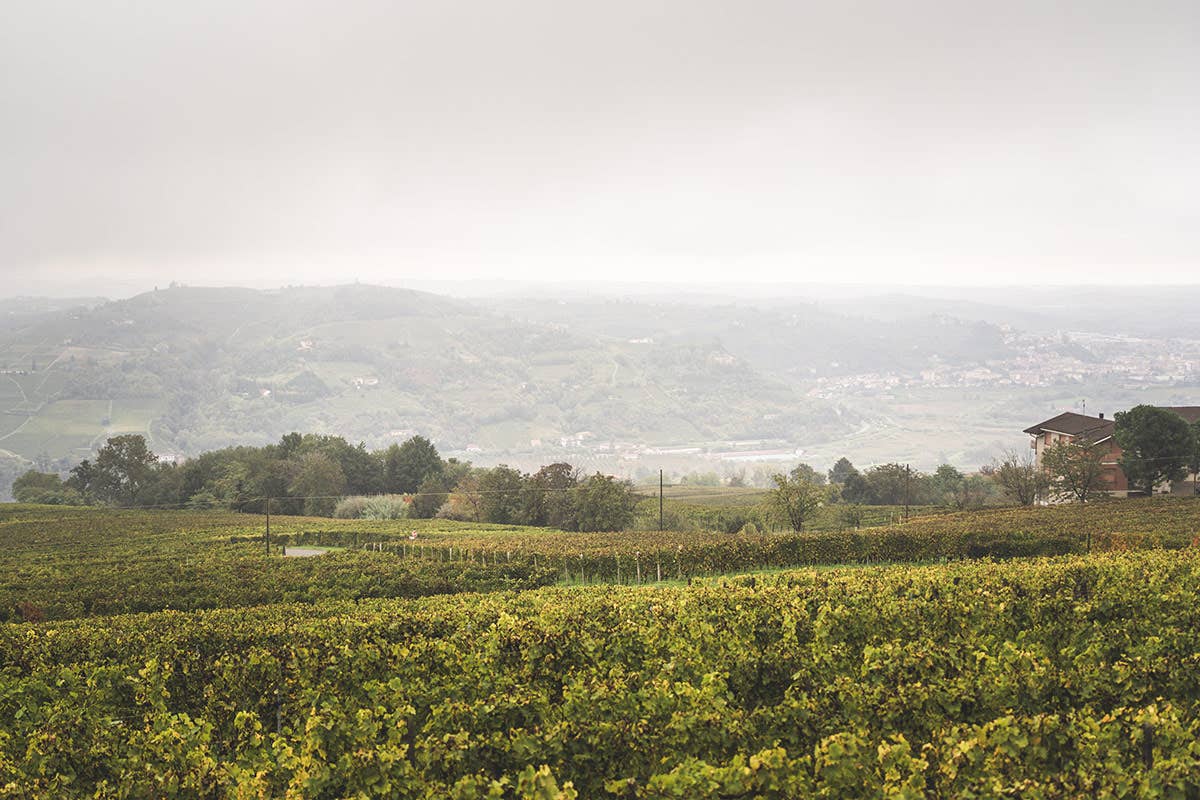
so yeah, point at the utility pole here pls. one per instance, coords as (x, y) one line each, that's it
(660, 500)
(907, 475)
(267, 537)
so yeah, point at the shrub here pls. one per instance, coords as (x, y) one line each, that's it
(350, 508)
(388, 506)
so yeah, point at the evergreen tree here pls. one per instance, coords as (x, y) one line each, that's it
(1156, 445)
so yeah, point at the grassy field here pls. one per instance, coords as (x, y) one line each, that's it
(71, 428)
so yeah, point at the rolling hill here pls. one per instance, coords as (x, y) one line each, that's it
(199, 368)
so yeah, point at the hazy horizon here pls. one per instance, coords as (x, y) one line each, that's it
(86, 286)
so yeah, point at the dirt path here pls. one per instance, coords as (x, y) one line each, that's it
(302, 552)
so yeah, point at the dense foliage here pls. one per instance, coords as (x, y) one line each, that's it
(1060, 678)
(313, 474)
(1157, 445)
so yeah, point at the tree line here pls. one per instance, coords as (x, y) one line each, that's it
(797, 495)
(322, 475)
(1157, 448)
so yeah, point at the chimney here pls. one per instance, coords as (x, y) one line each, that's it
(1101, 415)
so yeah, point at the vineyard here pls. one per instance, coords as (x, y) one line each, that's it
(96, 562)
(1064, 677)
(729, 511)
(84, 562)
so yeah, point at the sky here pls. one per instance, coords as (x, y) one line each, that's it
(948, 143)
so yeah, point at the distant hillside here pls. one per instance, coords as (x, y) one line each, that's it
(680, 381)
(799, 340)
(200, 368)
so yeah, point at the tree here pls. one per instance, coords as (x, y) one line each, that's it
(34, 483)
(272, 478)
(163, 487)
(434, 492)
(973, 492)
(44, 487)
(603, 503)
(123, 468)
(895, 484)
(948, 485)
(856, 489)
(795, 501)
(320, 482)
(1156, 446)
(501, 489)
(709, 478)
(842, 471)
(1075, 468)
(1194, 461)
(1019, 477)
(465, 502)
(362, 469)
(804, 472)
(83, 478)
(407, 465)
(549, 497)
(289, 445)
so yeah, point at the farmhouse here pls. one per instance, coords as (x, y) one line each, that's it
(1069, 426)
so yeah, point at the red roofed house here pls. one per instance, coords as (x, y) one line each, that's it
(1070, 426)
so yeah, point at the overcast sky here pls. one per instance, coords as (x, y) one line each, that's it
(949, 143)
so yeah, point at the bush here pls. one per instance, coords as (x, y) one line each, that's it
(204, 500)
(45, 488)
(735, 520)
(350, 508)
(388, 506)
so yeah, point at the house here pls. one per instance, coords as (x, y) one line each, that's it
(1069, 427)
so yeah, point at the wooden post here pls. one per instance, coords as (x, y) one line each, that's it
(660, 501)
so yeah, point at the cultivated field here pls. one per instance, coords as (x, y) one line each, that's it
(343, 675)
(58, 563)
